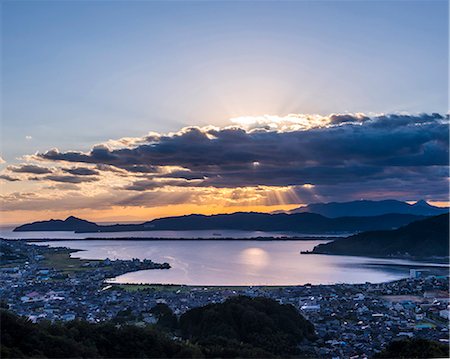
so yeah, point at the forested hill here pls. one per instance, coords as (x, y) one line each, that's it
(241, 327)
(424, 238)
(259, 323)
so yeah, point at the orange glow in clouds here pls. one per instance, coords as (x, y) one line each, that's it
(135, 214)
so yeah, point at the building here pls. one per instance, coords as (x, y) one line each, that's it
(418, 273)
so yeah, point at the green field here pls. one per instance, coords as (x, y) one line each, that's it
(61, 261)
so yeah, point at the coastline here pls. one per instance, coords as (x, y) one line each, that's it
(433, 259)
(218, 238)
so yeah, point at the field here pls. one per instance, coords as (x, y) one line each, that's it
(61, 260)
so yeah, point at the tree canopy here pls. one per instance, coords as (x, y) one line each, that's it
(414, 348)
(239, 327)
(255, 322)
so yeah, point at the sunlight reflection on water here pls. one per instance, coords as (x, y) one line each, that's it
(242, 262)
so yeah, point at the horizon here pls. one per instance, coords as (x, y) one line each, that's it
(158, 109)
(10, 225)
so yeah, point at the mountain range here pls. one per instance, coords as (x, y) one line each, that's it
(347, 217)
(365, 208)
(249, 221)
(423, 238)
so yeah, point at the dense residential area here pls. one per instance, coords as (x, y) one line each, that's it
(350, 320)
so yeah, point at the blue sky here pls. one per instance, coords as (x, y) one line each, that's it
(93, 78)
(78, 73)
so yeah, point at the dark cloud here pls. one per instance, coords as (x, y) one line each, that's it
(67, 179)
(347, 118)
(108, 168)
(150, 184)
(406, 188)
(351, 149)
(140, 168)
(149, 199)
(64, 187)
(37, 170)
(366, 141)
(188, 175)
(81, 171)
(8, 178)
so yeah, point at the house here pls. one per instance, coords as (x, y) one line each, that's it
(68, 316)
(310, 308)
(32, 297)
(444, 314)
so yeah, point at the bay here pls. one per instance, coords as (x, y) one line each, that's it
(240, 262)
(7, 233)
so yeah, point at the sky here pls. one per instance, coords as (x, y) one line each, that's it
(127, 111)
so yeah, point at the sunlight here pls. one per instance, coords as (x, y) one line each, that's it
(257, 258)
(291, 122)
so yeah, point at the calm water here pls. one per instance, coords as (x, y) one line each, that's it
(7, 232)
(243, 262)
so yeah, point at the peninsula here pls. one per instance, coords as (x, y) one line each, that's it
(423, 238)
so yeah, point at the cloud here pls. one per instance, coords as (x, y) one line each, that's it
(66, 179)
(335, 149)
(63, 187)
(266, 159)
(149, 184)
(81, 171)
(8, 178)
(30, 169)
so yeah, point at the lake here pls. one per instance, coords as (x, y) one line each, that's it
(240, 262)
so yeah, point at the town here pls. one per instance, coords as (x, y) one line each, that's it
(351, 320)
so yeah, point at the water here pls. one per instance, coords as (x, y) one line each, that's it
(6, 232)
(240, 262)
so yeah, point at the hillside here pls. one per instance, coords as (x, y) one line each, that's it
(424, 238)
(300, 222)
(241, 327)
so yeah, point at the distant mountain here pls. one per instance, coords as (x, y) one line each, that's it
(370, 208)
(250, 221)
(72, 224)
(424, 238)
(300, 222)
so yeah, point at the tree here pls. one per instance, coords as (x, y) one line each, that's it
(258, 323)
(414, 348)
(166, 319)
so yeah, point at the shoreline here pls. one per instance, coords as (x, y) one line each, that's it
(433, 259)
(438, 261)
(432, 265)
(306, 238)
